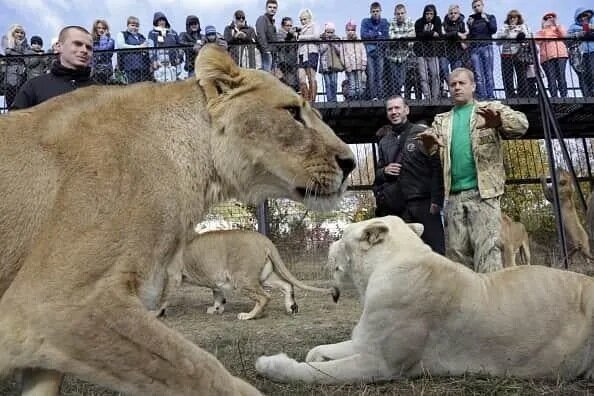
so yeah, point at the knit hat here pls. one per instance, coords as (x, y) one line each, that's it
(329, 25)
(36, 40)
(351, 25)
(210, 30)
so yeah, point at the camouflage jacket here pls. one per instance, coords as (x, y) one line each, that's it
(486, 144)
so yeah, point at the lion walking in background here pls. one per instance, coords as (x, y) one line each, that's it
(246, 261)
(514, 240)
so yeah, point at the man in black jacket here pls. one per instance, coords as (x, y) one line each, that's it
(409, 182)
(69, 72)
(266, 33)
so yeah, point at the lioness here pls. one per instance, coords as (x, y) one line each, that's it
(577, 238)
(423, 313)
(514, 240)
(100, 190)
(244, 260)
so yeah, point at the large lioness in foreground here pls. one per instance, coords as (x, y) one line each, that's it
(244, 260)
(100, 191)
(423, 313)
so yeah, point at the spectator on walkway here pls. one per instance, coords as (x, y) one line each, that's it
(515, 55)
(482, 26)
(375, 28)
(454, 31)
(242, 42)
(412, 180)
(39, 64)
(331, 62)
(287, 53)
(211, 36)
(192, 39)
(266, 34)
(427, 30)
(164, 61)
(135, 64)
(583, 27)
(308, 56)
(553, 54)
(354, 55)
(103, 46)
(69, 72)
(469, 140)
(14, 43)
(401, 27)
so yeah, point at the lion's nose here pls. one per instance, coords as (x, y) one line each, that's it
(347, 165)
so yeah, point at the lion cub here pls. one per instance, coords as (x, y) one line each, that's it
(245, 260)
(577, 238)
(514, 240)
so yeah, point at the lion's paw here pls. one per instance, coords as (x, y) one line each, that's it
(276, 367)
(316, 355)
(244, 316)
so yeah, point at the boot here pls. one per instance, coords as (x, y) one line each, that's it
(313, 90)
(304, 91)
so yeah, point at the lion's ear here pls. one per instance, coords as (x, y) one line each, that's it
(216, 72)
(418, 228)
(373, 234)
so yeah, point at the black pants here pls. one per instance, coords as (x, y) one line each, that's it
(417, 211)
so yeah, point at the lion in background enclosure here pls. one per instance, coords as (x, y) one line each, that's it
(100, 190)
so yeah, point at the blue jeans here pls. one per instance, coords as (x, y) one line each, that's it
(330, 82)
(482, 63)
(587, 82)
(267, 61)
(356, 85)
(375, 74)
(398, 72)
(555, 71)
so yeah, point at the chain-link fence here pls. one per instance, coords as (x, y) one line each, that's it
(354, 70)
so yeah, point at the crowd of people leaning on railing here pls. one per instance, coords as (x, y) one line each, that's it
(379, 57)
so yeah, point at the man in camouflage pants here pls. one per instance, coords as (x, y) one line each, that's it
(470, 137)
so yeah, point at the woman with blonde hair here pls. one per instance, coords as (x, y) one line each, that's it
(308, 56)
(515, 55)
(103, 46)
(14, 43)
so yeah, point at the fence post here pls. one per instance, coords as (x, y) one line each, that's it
(262, 216)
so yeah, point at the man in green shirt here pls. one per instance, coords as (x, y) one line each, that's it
(469, 141)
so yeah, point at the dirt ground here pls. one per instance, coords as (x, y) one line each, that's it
(237, 344)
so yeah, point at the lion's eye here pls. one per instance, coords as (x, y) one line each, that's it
(295, 112)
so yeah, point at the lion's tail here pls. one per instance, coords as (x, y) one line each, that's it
(284, 272)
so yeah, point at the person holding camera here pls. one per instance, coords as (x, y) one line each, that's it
(553, 54)
(287, 53)
(242, 40)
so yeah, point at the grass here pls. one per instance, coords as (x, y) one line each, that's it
(237, 344)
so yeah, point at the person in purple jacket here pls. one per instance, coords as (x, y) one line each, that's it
(482, 26)
(375, 28)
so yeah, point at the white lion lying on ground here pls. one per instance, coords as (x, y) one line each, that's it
(425, 313)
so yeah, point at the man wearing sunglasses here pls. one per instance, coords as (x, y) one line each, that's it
(242, 41)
